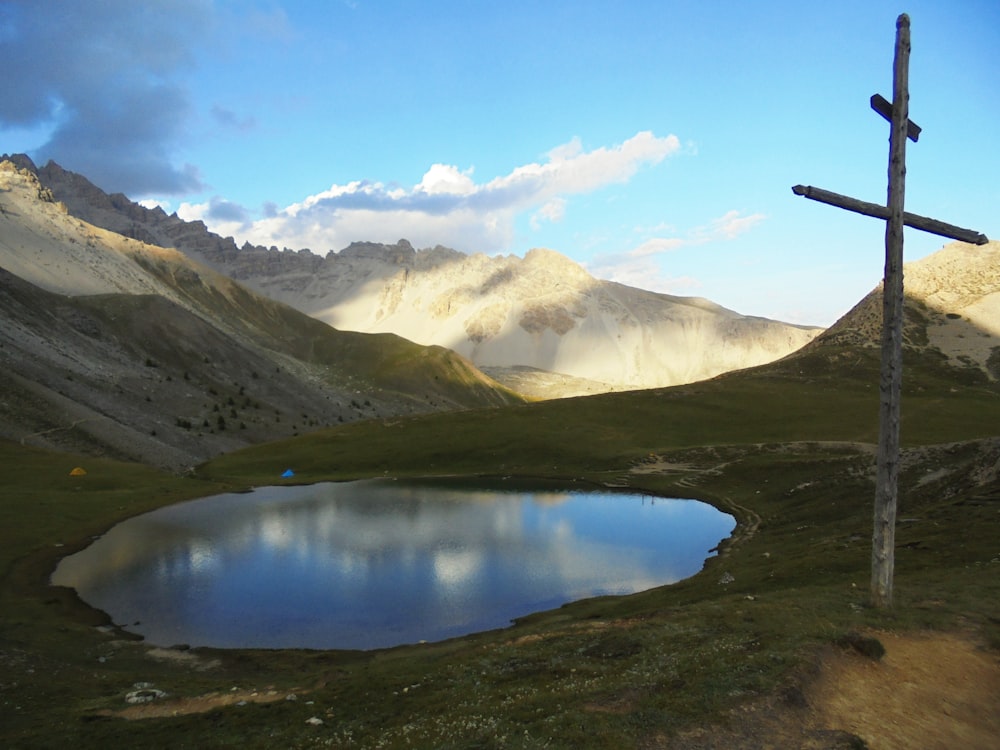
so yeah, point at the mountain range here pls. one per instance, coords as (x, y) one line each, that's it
(110, 345)
(129, 341)
(541, 324)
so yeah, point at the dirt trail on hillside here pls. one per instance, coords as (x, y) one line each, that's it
(935, 691)
(931, 692)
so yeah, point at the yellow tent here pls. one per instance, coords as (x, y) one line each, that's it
(78, 472)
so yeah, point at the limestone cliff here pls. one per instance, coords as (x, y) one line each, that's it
(115, 347)
(543, 312)
(952, 307)
(540, 313)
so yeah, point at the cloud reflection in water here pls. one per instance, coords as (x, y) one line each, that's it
(378, 563)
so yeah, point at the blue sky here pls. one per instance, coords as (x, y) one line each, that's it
(656, 143)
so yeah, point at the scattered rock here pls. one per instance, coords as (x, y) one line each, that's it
(144, 695)
(314, 721)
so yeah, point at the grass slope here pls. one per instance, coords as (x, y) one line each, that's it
(786, 449)
(148, 377)
(383, 361)
(598, 437)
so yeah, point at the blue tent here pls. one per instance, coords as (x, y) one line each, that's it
(288, 473)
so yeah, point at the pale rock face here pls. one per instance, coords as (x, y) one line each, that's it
(952, 306)
(60, 253)
(542, 318)
(543, 312)
(112, 346)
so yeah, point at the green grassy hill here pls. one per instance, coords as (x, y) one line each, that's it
(112, 347)
(828, 394)
(788, 449)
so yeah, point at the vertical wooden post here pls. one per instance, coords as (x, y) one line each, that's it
(887, 473)
(891, 378)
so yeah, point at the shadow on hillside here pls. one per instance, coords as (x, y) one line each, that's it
(965, 338)
(549, 333)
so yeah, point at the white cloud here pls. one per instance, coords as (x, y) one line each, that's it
(657, 246)
(640, 266)
(155, 203)
(655, 228)
(729, 226)
(552, 211)
(447, 206)
(222, 224)
(444, 178)
(571, 170)
(643, 272)
(566, 151)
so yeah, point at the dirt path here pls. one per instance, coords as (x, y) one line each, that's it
(931, 692)
(935, 691)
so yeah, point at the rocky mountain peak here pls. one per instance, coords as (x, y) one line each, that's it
(544, 260)
(542, 313)
(400, 253)
(112, 346)
(20, 161)
(952, 307)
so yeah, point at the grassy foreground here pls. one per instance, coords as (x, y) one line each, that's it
(789, 453)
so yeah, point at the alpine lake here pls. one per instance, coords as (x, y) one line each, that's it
(379, 563)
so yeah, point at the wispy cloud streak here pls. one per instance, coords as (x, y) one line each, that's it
(448, 206)
(640, 266)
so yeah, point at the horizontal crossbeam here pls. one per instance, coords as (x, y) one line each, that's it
(882, 212)
(881, 105)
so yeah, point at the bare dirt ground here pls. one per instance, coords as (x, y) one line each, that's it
(197, 705)
(931, 691)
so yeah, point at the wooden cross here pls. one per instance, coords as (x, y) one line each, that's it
(887, 474)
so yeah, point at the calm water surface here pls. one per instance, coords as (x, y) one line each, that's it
(379, 563)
